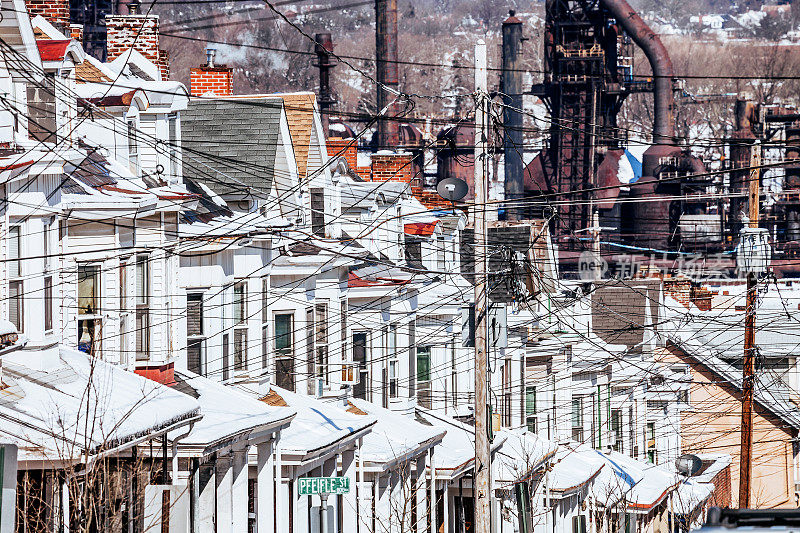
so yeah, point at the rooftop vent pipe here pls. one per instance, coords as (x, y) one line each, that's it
(211, 53)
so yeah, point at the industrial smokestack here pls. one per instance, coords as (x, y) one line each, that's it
(386, 59)
(324, 48)
(511, 87)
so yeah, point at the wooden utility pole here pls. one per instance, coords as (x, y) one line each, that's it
(483, 468)
(748, 368)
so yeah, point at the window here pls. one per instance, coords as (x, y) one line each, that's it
(133, 147)
(650, 439)
(195, 333)
(142, 307)
(89, 313)
(226, 357)
(393, 377)
(172, 147)
(530, 408)
(240, 325)
(240, 302)
(88, 289)
(441, 263)
(577, 419)
(423, 364)
(321, 341)
(283, 334)
(311, 373)
(412, 359)
(360, 359)
(616, 430)
(42, 109)
(318, 212)
(15, 304)
(14, 251)
(264, 347)
(264, 306)
(48, 223)
(414, 252)
(15, 287)
(454, 373)
(48, 303)
(264, 324)
(240, 349)
(284, 350)
(579, 524)
(683, 396)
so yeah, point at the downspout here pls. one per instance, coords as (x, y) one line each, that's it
(663, 73)
(175, 451)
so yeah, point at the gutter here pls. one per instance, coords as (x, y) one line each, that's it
(247, 434)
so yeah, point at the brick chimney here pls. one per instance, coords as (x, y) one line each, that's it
(344, 148)
(139, 32)
(211, 79)
(55, 11)
(391, 166)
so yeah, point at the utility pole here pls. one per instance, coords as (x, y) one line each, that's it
(748, 368)
(483, 467)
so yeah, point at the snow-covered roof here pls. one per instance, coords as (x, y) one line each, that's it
(58, 403)
(317, 426)
(655, 482)
(394, 438)
(573, 467)
(521, 454)
(456, 454)
(229, 415)
(363, 195)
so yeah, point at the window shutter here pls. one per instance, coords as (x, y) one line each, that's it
(14, 304)
(194, 315)
(13, 251)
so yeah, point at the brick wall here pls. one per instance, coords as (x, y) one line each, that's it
(721, 497)
(391, 167)
(55, 11)
(139, 32)
(76, 32)
(346, 148)
(680, 289)
(211, 80)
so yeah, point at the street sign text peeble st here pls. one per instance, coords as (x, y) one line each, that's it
(323, 485)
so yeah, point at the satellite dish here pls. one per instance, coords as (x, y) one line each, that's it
(688, 464)
(452, 189)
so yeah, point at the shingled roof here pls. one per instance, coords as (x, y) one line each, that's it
(230, 145)
(300, 114)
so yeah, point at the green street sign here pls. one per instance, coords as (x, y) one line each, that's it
(323, 485)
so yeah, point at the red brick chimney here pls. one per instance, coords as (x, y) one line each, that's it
(139, 32)
(391, 166)
(55, 11)
(211, 79)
